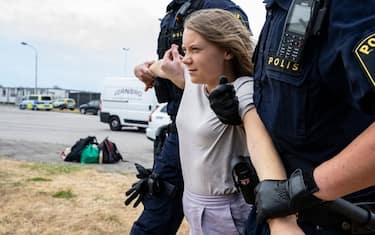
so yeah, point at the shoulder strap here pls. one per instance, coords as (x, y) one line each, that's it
(186, 9)
(320, 18)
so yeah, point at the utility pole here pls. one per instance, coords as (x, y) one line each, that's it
(36, 64)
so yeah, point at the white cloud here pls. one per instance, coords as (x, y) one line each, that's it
(79, 30)
(92, 24)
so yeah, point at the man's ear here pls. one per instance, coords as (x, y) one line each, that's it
(228, 55)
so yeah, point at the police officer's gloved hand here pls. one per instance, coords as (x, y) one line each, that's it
(142, 171)
(277, 198)
(147, 184)
(224, 103)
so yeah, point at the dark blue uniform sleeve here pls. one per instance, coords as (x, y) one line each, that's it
(350, 49)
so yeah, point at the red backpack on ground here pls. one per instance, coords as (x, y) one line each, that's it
(109, 152)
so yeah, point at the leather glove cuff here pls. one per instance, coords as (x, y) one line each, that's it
(153, 184)
(277, 198)
(142, 171)
(301, 189)
(308, 176)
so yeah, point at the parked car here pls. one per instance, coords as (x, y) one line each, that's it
(91, 107)
(26, 103)
(158, 121)
(64, 103)
(37, 102)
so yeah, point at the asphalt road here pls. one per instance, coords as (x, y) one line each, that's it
(40, 136)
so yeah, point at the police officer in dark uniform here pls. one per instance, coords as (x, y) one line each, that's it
(160, 188)
(314, 89)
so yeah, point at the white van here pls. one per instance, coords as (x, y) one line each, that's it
(125, 103)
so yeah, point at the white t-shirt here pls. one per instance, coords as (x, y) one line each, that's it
(208, 148)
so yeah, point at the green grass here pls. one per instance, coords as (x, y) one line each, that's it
(113, 219)
(64, 194)
(53, 169)
(39, 179)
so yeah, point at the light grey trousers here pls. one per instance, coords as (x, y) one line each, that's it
(216, 215)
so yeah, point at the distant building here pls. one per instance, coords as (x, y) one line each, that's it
(10, 95)
(13, 95)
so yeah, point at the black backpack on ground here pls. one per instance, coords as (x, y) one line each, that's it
(109, 152)
(76, 149)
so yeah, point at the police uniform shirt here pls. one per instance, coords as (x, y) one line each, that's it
(316, 107)
(208, 148)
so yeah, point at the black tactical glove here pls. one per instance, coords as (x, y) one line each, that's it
(277, 198)
(224, 103)
(148, 184)
(142, 171)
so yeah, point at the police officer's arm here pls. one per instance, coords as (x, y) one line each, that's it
(170, 67)
(353, 168)
(143, 73)
(347, 172)
(268, 165)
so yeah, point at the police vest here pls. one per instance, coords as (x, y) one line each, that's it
(171, 33)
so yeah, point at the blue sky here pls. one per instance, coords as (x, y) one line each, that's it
(79, 42)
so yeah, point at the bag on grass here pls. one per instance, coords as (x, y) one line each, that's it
(109, 152)
(90, 154)
(76, 149)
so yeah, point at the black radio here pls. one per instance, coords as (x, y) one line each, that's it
(297, 28)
